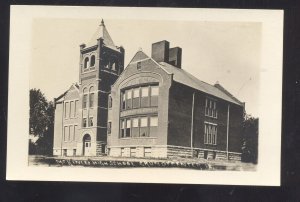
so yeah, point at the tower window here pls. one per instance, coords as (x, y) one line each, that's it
(92, 61)
(84, 102)
(109, 127)
(84, 123)
(86, 62)
(91, 99)
(109, 102)
(91, 121)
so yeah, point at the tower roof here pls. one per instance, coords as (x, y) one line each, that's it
(101, 32)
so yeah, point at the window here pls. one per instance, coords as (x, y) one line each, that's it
(129, 99)
(84, 124)
(138, 65)
(66, 130)
(84, 101)
(76, 108)
(91, 122)
(67, 110)
(128, 128)
(211, 108)
(70, 133)
(93, 60)
(145, 97)
(113, 66)
(86, 63)
(74, 133)
(153, 125)
(72, 110)
(74, 152)
(144, 127)
(136, 98)
(135, 127)
(122, 151)
(109, 102)
(122, 128)
(154, 96)
(153, 121)
(109, 127)
(147, 151)
(210, 134)
(91, 99)
(64, 152)
(132, 151)
(123, 101)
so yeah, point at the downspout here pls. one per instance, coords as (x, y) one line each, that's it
(227, 132)
(62, 129)
(192, 125)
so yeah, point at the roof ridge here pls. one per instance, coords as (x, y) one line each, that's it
(220, 87)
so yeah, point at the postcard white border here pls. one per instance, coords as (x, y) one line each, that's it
(268, 170)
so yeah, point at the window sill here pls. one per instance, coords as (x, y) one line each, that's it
(123, 110)
(211, 116)
(129, 138)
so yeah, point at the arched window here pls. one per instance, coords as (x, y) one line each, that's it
(86, 62)
(92, 95)
(92, 61)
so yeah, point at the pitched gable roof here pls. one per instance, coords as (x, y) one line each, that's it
(181, 76)
(73, 86)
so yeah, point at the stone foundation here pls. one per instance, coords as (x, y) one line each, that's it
(171, 152)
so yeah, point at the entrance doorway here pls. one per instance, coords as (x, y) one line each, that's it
(86, 145)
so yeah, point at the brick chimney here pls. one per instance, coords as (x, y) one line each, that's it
(175, 56)
(160, 51)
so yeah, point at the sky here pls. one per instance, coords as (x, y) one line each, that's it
(227, 52)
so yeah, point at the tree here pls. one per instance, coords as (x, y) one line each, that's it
(41, 122)
(250, 139)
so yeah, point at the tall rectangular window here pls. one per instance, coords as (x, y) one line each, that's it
(76, 108)
(84, 102)
(91, 122)
(128, 128)
(144, 127)
(154, 96)
(128, 99)
(135, 127)
(84, 122)
(67, 110)
(211, 108)
(109, 127)
(153, 125)
(66, 130)
(74, 133)
(122, 128)
(109, 102)
(210, 134)
(145, 97)
(70, 133)
(123, 102)
(72, 108)
(136, 98)
(91, 99)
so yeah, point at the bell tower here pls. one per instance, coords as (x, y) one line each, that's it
(101, 63)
